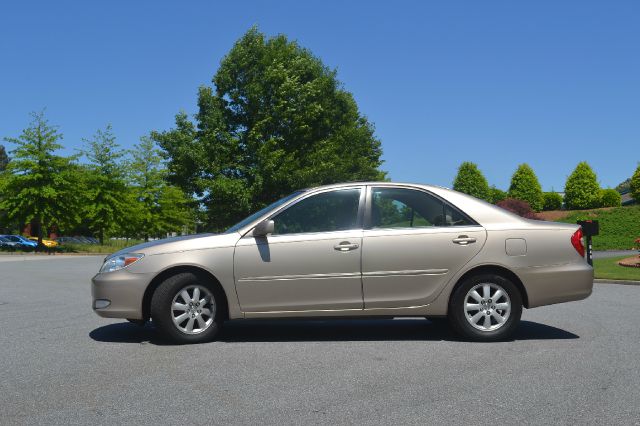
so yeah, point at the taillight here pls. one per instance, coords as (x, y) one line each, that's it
(576, 242)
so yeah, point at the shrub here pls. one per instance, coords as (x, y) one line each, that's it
(519, 207)
(610, 198)
(582, 190)
(552, 201)
(525, 186)
(497, 194)
(634, 185)
(470, 180)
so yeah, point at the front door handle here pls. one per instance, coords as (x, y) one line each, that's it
(463, 240)
(345, 246)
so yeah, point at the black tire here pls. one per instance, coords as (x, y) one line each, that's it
(462, 326)
(161, 311)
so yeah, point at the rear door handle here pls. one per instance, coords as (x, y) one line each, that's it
(345, 246)
(463, 240)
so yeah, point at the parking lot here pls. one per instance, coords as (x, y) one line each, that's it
(61, 364)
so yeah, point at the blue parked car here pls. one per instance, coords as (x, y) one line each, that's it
(20, 240)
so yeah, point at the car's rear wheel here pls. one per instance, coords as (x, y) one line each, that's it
(186, 309)
(486, 308)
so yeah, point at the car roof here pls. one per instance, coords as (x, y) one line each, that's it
(373, 183)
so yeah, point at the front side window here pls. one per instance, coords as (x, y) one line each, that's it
(325, 212)
(409, 208)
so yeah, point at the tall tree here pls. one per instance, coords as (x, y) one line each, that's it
(106, 183)
(582, 191)
(41, 184)
(159, 208)
(470, 180)
(276, 120)
(526, 187)
(4, 159)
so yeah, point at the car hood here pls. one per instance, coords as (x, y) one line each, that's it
(183, 243)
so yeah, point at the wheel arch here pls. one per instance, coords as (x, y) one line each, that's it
(169, 272)
(498, 270)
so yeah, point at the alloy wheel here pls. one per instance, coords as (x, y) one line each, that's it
(487, 306)
(193, 309)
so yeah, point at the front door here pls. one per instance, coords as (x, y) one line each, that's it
(311, 261)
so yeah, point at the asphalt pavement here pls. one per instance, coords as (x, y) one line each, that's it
(575, 363)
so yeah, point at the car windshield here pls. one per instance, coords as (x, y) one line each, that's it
(262, 212)
(13, 238)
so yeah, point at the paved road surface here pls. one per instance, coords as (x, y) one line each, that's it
(614, 253)
(61, 364)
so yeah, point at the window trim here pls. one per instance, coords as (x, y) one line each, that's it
(359, 215)
(369, 201)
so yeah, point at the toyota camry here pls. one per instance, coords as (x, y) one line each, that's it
(352, 250)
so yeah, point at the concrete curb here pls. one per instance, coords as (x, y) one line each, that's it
(623, 282)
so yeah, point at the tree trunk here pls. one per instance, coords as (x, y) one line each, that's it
(39, 226)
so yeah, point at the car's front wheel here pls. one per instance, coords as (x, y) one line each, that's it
(486, 308)
(185, 309)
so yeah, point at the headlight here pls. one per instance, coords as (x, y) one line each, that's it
(121, 261)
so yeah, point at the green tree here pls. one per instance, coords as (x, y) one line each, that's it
(610, 198)
(4, 159)
(525, 186)
(276, 120)
(40, 186)
(581, 191)
(552, 201)
(497, 194)
(106, 184)
(159, 208)
(634, 186)
(176, 213)
(470, 180)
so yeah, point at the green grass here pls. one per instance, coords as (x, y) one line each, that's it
(609, 269)
(108, 247)
(619, 226)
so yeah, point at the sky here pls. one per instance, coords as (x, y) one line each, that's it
(499, 83)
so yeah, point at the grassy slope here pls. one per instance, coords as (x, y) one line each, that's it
(619, 226)
(609, 269)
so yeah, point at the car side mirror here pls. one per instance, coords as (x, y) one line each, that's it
(264, 228)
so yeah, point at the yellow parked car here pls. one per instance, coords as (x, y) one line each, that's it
(45, 241)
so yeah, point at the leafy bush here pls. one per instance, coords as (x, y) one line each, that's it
(470, 180)
(552, 201)
(525, 187)
(497, 194)
(519, 207)
(610, 198)
(634, 186)
(618, 226)
(582, 190)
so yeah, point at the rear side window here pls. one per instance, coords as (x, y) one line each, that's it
(410, 208)
(324, 212)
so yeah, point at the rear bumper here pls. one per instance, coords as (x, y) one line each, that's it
(124, 291)
(547, 285)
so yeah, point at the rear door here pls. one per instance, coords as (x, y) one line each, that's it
(413, 243)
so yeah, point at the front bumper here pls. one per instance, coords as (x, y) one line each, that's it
(124, 291)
